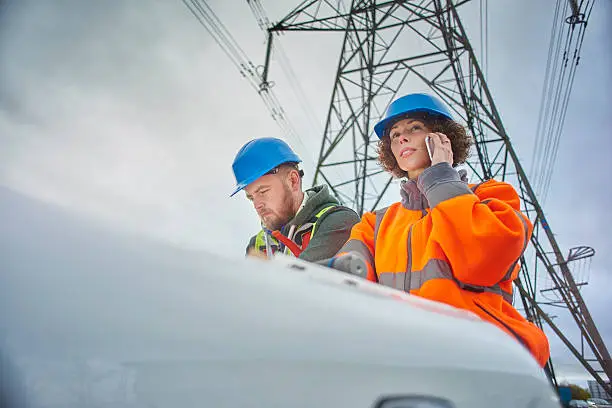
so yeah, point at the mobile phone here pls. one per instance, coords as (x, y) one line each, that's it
(429, 148)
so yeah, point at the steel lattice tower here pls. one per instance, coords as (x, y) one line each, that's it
(375, 66)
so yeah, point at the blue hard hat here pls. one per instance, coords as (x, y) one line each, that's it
(259, 156)
(416, 102)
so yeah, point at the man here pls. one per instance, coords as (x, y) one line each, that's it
(311, 224)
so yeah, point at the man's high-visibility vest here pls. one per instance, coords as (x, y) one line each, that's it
(288, 244)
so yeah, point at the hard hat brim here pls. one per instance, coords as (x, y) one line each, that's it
(380, 127)
(248, 181)
(257, 175)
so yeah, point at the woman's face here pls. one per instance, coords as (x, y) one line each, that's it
(408, 146)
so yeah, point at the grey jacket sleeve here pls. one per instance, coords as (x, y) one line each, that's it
(441, 182)
(331, 234)
(250, 245)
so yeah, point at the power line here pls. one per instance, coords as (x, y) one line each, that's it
(484, 36)
(209, 20)
(561, 68)
(264, 24)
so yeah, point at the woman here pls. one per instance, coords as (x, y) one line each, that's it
(445, 240)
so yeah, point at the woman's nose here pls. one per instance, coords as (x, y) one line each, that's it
(403, 138)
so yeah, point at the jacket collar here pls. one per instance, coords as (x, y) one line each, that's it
(413, 198)
(314, 199)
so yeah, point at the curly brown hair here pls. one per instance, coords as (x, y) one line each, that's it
(459, 138)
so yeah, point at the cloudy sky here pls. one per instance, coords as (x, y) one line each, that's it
(131, 114)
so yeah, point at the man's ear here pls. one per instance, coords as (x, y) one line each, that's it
(294, 180)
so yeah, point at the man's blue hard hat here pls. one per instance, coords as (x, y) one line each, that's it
(416, 102)
(259, 156)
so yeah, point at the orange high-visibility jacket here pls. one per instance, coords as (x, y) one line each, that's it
(454, 243)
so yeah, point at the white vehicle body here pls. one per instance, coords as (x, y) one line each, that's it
(89, 318)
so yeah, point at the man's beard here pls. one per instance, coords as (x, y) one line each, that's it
(286, 213)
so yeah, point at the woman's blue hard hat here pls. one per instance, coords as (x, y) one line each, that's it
(416, 102)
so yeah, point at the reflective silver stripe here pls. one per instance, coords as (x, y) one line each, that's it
(380, 214)
(393, 279)
(508, 274)
(354, 245)
(408, 275)
(507, 296)
(434, 269)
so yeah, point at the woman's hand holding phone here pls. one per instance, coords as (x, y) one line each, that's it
(439, 148)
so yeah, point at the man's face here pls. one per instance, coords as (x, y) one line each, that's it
(272, 198)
